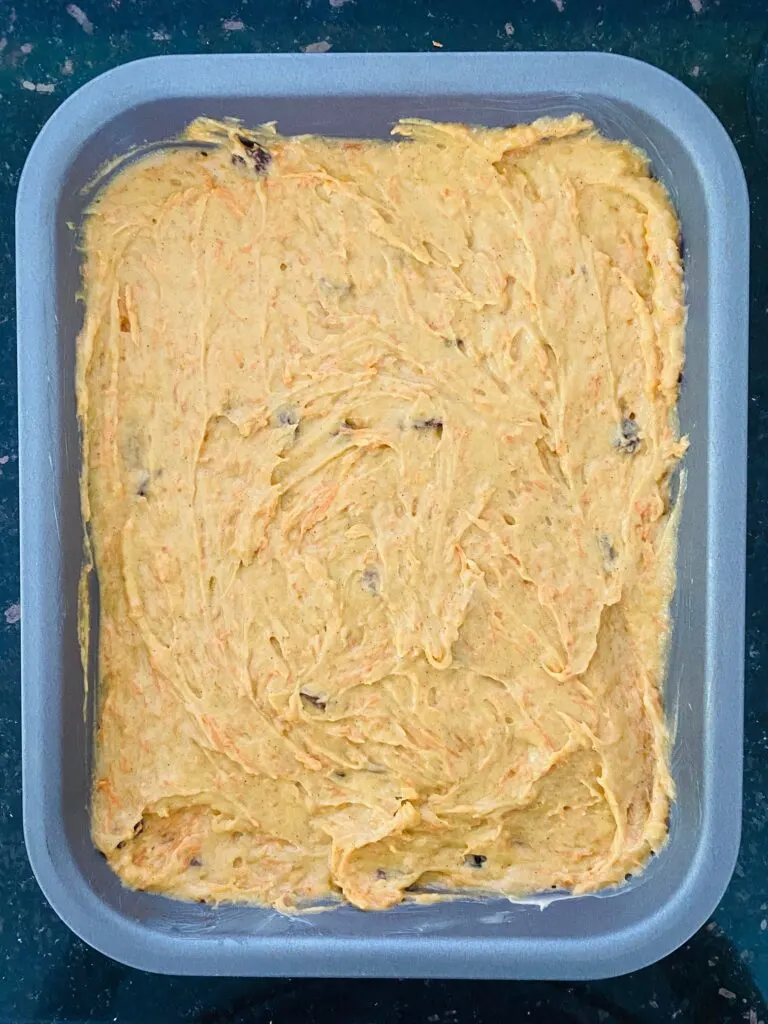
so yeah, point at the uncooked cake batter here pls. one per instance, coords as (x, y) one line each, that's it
(377, 445)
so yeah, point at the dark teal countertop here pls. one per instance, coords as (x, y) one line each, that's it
(47, 49)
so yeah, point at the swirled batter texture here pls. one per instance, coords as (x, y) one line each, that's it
(377, 442)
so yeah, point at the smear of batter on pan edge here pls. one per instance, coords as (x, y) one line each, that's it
(377, 447)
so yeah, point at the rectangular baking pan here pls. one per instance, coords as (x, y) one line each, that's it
(363, 94)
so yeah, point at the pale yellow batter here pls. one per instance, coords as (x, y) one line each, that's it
(377, 443)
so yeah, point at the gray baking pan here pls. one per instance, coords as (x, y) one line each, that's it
(363, 94)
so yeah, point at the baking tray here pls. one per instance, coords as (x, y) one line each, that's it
(363, 94)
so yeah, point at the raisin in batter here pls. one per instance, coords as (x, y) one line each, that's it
(377, 444)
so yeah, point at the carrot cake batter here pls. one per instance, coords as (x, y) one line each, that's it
(377, 447)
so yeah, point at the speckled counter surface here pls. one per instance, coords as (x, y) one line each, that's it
(47, 50)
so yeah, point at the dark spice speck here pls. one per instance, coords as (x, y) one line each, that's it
(370, 581)
(142, 488)
(315, 702)
(431, 424)
(288, 416)
(458, 342)
(627, 439)
(260, 158)
(475, 860)
(609, 553)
